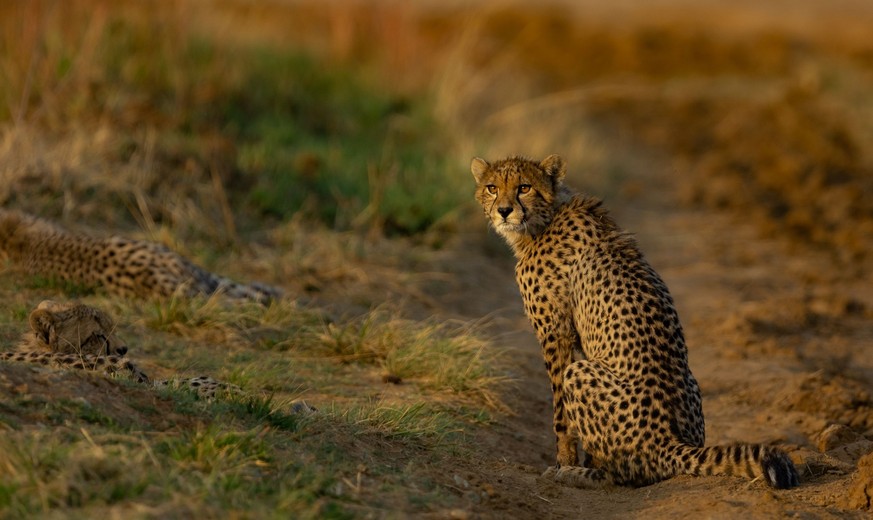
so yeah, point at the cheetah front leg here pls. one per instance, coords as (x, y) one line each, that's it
(558, 354)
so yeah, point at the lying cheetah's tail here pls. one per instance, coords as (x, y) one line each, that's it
(254, 291)
(210, 283)
(204, 386)
(749, 460)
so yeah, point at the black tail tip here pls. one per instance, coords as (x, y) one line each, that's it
(779, 470)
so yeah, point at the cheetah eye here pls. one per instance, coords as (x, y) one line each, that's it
(492, 189)
(524, 188)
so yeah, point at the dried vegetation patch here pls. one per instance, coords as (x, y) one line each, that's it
(257, 160)
(322, 147)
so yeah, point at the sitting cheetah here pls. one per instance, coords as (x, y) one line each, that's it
(122, 266)
(630, 397)
(74, 335)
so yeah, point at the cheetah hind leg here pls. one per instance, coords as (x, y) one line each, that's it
(579, 477)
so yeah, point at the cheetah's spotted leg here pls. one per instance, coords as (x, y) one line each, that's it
(558, 354)
(109, 364)
(579, 477)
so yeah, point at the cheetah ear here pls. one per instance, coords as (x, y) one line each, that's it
(479, 167)
(104, 320)
(554, 166)
(43, 323)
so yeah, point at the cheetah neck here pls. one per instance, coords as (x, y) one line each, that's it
(19, 232)
(518, 242)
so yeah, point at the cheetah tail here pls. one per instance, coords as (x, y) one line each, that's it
(750, 460)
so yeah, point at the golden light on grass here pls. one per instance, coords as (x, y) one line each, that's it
(323, 147)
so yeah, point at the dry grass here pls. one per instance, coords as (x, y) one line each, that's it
(125, 118)
(148, 112)
(761, 117)
(284, 142)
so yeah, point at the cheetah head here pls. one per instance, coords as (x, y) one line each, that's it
(519, 195)
(73, 328)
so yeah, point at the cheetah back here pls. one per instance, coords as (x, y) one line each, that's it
(611, 338)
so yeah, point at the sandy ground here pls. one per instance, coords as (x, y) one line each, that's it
(778, 335)
(777, 339)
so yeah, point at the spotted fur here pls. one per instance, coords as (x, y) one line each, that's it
(205, 386)
(75, 336)
(108, 363)
(71, 328)
(126, 267)
(611, 338)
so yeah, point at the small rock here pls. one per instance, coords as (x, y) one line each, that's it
(852, 452)
(861, 488)
(836, 435)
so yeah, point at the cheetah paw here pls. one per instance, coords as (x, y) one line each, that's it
(577, 476)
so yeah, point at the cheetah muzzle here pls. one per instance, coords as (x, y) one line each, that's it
(610, 336)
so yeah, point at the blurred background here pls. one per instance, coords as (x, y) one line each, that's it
(324, 147)
(363, 115)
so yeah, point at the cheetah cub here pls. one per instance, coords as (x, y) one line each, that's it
(76, 336)
(628, 396)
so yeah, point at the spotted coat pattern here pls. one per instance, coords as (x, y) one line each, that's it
(126, 267)
(611, 339)
(76, 336)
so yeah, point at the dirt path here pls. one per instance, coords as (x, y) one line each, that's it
(768, 330)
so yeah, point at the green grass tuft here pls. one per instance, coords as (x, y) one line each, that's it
(67, 287)
(443, 357)
(416, 420)
(320, 140)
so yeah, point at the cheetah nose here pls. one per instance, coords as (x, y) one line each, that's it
(121, 351)
(504, 212)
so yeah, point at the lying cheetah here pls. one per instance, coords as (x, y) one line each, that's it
(72, 328)
(122, 266)
(630, 397)
(74, 335)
